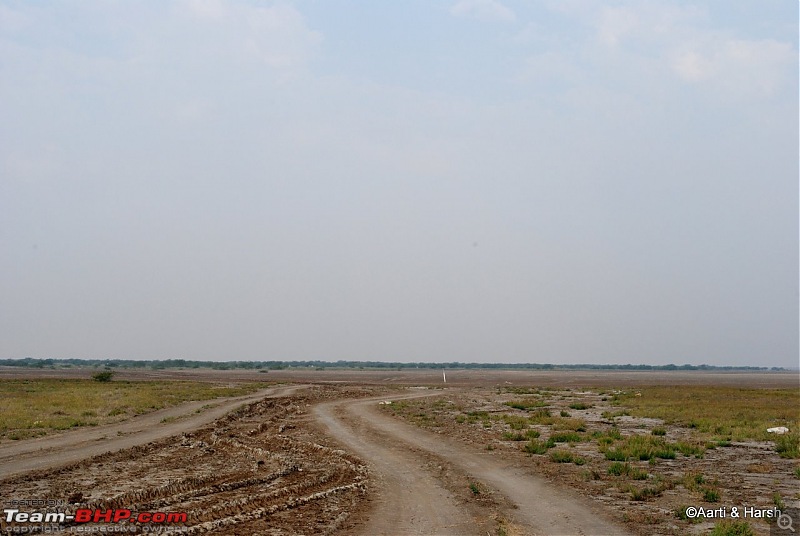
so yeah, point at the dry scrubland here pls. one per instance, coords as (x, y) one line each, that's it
(640, 453)
(645, 453)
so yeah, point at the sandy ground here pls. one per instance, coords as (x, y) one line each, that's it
(324, 458)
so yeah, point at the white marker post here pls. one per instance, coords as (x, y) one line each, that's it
(444, 378)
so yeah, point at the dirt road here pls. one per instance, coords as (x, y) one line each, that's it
(411, 500)
(75, 445)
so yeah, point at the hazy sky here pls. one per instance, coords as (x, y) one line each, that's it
(465, 180)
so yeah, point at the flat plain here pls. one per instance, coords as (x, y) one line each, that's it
(333, 451)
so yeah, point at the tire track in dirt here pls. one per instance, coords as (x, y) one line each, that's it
(75, 445)
(409, 500)
(542, 508)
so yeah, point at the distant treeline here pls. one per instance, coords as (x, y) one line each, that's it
(279, 365)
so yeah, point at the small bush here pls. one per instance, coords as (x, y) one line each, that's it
(580, 405)
(576, 425)
(104, 376)
(658, 431)
(564, 413)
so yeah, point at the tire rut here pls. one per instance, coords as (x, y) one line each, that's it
(75, 445)
(409, 499)
(387, 443)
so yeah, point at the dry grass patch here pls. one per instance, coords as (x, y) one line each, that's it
(724, 412)
(36, 407)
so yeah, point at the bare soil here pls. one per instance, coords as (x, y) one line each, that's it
(327, 458)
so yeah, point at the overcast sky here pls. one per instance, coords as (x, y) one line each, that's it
(519, 181)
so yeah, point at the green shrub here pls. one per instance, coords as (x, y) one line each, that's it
(104, 376)
(580, 405)
(658, 431)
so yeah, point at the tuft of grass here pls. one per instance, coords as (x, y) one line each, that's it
(564, 413)
(534, 446)
(626, 469)
(591, 474)
(639, 447)
(526, 404)
(566, 437)
(710, 495)
(513, 436)
(565, 456)
(516, 422)
(580, 405)
(541, 416)
(576, 425)
(693, 481)
(788, 445)
(732, 528)
(691, 449)
(561, 456)
(659, 431)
